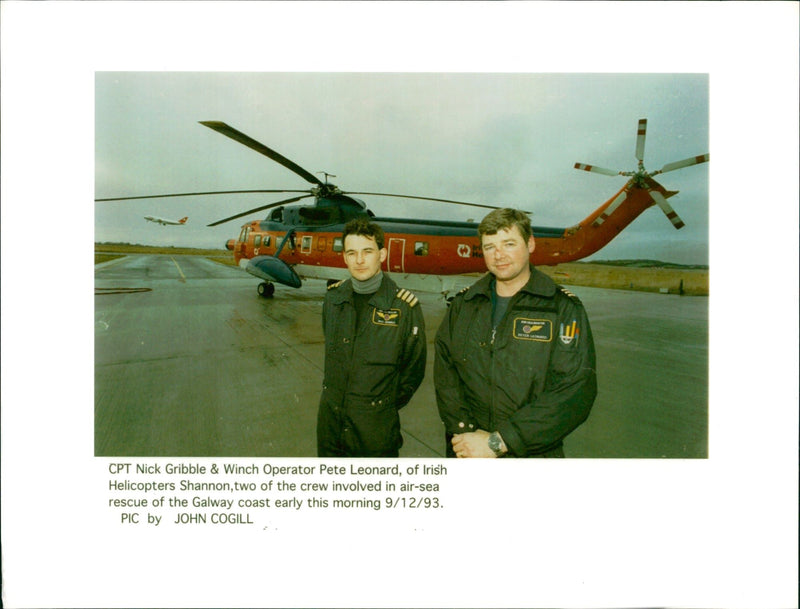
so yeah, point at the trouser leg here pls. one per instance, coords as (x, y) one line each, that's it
(329, 434)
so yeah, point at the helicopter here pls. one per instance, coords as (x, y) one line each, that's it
(305, 241)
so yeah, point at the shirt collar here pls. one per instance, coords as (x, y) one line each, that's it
(538, 284)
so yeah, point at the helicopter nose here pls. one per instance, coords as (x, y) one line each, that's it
(230, 244)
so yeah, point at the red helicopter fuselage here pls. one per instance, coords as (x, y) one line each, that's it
(428, 247)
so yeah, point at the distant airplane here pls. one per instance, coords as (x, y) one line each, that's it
(164, 221)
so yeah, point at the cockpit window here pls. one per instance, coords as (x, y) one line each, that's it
(319, 215)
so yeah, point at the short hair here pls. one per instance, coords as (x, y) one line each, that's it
(362, 226)
(504, 219)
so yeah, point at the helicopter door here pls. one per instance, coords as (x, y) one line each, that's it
(243, 237)
(396, 260)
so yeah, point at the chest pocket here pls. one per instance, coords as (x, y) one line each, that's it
(522, 349)
(378, 339)
(469, 337)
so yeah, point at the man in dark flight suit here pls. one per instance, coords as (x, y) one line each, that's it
(515, 359)
(375, 352)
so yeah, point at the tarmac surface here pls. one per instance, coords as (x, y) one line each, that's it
(190, 361)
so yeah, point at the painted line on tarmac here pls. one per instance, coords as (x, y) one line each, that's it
(102, 265)
(183, 277)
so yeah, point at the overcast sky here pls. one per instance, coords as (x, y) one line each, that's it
(494, 138)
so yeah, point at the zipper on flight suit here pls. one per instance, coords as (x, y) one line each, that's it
(491, 376)
(510, 306)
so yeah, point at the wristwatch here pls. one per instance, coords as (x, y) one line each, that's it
(496, 444)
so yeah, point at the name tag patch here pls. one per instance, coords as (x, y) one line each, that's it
(386, 317)
(533, 329)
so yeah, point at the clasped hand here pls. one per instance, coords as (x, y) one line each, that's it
(473, 444)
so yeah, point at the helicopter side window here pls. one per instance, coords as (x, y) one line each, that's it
(257, 241)
(318, 216)
(267, 240)
(421, 248)
(338, 244)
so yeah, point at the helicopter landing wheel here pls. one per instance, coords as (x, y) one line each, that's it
(266, 290)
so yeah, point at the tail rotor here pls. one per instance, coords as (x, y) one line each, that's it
(641, 179)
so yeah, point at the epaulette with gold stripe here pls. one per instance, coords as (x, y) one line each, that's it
(568, 294)
(407, 296)
(336, 285)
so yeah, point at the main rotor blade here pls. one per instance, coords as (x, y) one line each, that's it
(240, 137)
(695, 160)
(261, 208)
(596, 169)
(194, 194)
(661, 201)
(384, 194)
(641, 132)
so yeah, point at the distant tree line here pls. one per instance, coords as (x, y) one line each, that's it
(646, 264)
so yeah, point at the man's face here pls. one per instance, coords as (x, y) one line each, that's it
(362, 256)
(507, 255)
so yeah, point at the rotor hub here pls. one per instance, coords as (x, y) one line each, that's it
(325, 190)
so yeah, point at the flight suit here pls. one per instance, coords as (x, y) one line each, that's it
(371, 371)
(532, 378)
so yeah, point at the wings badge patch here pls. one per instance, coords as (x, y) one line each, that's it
(386, 317)
(533, 329)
